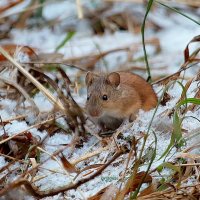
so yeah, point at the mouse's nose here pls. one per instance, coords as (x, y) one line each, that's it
(94, 113)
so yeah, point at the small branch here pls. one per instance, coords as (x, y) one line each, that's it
(51, 98)
(89, 155)
(34, 190)
(189, 164)
(33, 126)
(176, 74)
(55, 63)
(23, 92)
(79, 9)
(14, 118)
(21, 179)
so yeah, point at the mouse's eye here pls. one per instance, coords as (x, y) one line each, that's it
(88, 98)
(105, 97)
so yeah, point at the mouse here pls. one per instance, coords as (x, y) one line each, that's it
(116, 96)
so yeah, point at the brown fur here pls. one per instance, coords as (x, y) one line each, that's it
(126, 92)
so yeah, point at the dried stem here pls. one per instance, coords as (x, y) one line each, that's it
(34, 190)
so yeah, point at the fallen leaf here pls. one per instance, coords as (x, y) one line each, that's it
(107, 193)
(152, 188)
(11, 49)
(67, 165)
(166, 98)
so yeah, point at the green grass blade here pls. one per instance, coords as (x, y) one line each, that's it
(134, 195)
(170, 166)
(66, 39)
(177, 127)
(40, 9)
(172, 141)
(188, 100)
(176, 133)
(143, 40)
(179, 12)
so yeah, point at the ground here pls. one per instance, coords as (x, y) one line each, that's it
(41, 143)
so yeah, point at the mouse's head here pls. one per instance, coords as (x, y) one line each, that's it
(102, 93)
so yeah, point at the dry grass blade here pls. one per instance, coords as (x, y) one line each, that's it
(9, 158)
(52, 99)
(60, 150)
(23, 92)
(186, 52)
(183, 193)
(194, 3)
(172, 77)
(166, 80)
(13, 118)
(132, 184)
(187, 85)
(31, 127)
(192, 106)
(132, 151)
(12, 49)
(188, 59)
(73, 110)
(34, 190)
(54, 63)
(91, 59)
(31, 8)
(23, 17)
(9, 5)
(67, 165)
(21, 179)
(90, 169)
(79, 9)
(107, 193)
(189, 156)
(149, 190)
(189, 164)
(195, 146)
(89, 155)
(64, 164)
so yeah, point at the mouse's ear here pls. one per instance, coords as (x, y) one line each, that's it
(89, 78)
(114, 78)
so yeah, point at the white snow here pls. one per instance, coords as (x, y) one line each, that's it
(42, 102)
(15, 127)
(60, 11)
(176, 32)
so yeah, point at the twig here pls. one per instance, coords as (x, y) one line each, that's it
(127, 163)
(89, 155)
(172, 75)
(176, 2)
(23, 10)
(189, 164)
(12, 158)
(14, 118)
(4, 131)
(55, 63)
(12, 185)
(34, 190)
(79, 9)
(33, 126)
(23, 92)
(33, 80)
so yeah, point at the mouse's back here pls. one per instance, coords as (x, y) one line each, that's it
(144, 89)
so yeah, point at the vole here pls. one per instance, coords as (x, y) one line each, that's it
(116, 96)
